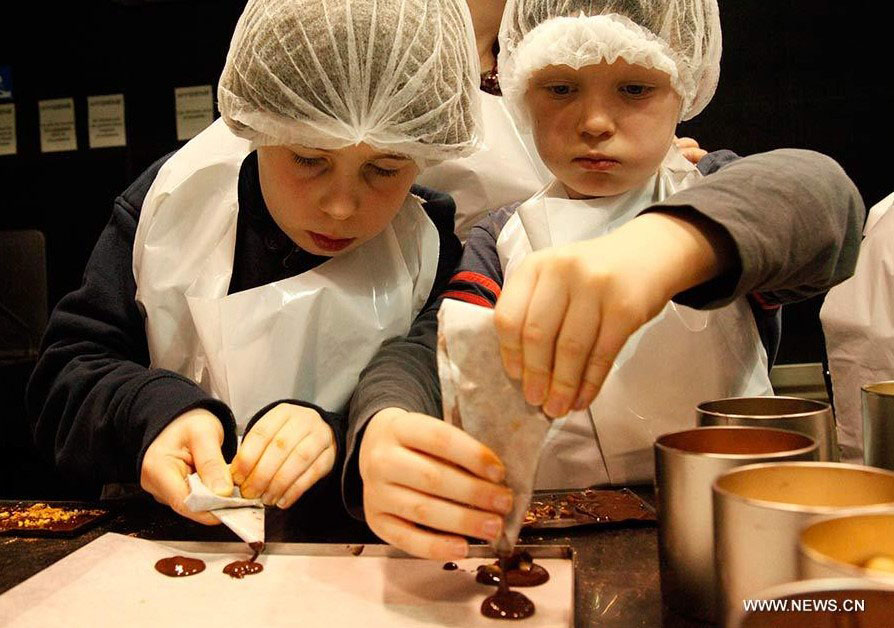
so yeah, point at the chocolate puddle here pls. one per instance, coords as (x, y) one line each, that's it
(519, 570)
(179, 566)
(241, 568)
(506, 604)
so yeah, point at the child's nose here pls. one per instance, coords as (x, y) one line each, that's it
(340, 203)
(596, 121)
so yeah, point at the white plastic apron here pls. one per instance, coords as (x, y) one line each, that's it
(858, 323)
(677, 360)
(506, 170)
(307, 337)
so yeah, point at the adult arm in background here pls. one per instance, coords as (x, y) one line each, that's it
(790, 220)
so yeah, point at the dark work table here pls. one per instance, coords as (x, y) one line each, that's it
(616, 576)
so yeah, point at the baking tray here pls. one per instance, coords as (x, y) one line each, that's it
(99, 512)
(112, 581)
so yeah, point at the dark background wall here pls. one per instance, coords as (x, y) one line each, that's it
(794, 74)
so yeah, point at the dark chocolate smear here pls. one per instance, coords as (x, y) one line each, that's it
(506, 604)
(180, 566)
(520, 570)
(241, 568)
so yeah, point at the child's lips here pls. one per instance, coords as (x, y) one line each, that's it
(328, 243)
(597, 163)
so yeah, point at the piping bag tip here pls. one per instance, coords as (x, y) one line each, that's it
(503, 546)
(245, 517)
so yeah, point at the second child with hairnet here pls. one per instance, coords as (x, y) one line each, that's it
(631, 274)
(243, 282)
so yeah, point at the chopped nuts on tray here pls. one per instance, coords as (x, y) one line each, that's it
(41, 516)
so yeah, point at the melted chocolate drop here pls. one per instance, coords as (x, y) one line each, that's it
(519, 569)
(450, 566)
(241, 568)
(506, 604)
(179, 566)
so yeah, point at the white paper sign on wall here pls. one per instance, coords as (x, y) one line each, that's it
(194, 110)
(57, 125)
(105, 120)
(8, 129)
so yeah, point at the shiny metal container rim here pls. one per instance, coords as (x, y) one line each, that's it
(883, 389)
(831, 563)
(818, 406)
(785, 453)
(866, 508)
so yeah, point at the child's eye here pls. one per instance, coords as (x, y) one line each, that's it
(308, 162)
(559, 89)
(383, 172)
(635, 90)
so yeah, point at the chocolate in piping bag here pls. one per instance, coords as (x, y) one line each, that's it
(480, 398)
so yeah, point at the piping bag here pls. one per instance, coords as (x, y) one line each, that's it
(479, 398)
(243, 516)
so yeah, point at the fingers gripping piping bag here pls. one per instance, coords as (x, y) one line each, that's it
(480, 398)
(243, 516)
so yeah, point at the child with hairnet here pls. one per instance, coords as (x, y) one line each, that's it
(507, 169)
(243, 282)
(626, 291)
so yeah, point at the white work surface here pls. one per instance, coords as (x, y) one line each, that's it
(113, 581)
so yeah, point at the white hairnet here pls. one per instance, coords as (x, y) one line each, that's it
(678, 37)
(400, 75)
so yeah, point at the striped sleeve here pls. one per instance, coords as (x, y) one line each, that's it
(479, 278)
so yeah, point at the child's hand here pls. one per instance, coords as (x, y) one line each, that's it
(191, 442)
(690, 149)
(419, 471)
(566, 313)
(283, 455)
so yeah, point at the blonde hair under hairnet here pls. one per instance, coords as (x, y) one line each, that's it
(399, 75)
(678, 37)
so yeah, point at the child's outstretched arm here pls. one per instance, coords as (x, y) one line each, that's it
(566, 314)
